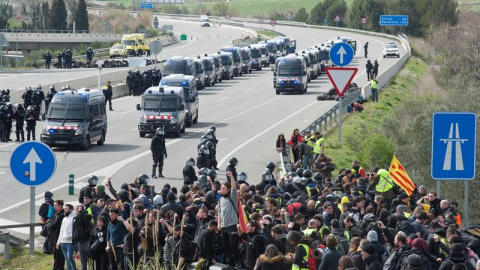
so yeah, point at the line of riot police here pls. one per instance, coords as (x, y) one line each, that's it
(138, 82)
(17, 113)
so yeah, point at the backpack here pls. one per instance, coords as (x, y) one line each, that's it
(342, 244)
(311, 262)
(294, 208)
(405, 226)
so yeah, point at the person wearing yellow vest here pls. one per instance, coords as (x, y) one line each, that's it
(374, 87)
(311, 231)
(302, 250)
(108, 93)
(319, 147)
(383, 184)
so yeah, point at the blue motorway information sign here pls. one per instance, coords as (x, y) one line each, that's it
(393, 20)
(453, 145)
(33, 163)
(146, 5)
(341, 54)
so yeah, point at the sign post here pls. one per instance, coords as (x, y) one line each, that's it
(155, 48)
(32, 164)
(337, 19)
(364, 21)
(341, 55)
(273, 23)
(454, 136)
(289, 15)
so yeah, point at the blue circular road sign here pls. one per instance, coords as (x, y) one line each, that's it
(341, 54)
(33, 163)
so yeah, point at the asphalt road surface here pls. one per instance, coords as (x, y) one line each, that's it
(247, 112)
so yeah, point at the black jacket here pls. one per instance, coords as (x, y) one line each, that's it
(158, 145)
(275, 263)
(30, 118)
(455, 258)
(189, 173)
(55, 229)
(373, 263)
(205, 240)
(100, 237)
(232, 169)
(82, 227)
(173, 206)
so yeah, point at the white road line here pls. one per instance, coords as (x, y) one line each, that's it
(133, 129)
(261, 133)
(5, 145)
(2, 172)
(249, 89)
(222, 99)
(107, 171)
(128, 111)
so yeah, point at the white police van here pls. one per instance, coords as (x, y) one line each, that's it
(190, 93)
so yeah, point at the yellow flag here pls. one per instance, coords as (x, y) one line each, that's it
(400, 176)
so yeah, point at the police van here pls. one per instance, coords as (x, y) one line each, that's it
(291, 74)
(190, 93)
(75, 117)
(228, 68)
(246, 60)
(217, 60)
(199, 74)
(237, 61)
(256, 54)
(162, 106)
(209, 69)
(314, 65)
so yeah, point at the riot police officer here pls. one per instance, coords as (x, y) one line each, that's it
(68, 59)
(38, 97)
(49, 97)
(212, 155)
(147, 80)
(156, 77)
(131, 83)
(3, 123)
(9, 121)
(19, 116)
(189, 176)
(89, 54)
(88, 189)
(203, 158)
(59, 60)
(159, 151)
(31, 120)
(48, 59)
(28, 97)
(232, 164)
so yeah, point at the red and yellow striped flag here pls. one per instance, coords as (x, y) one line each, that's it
(400, 176)
(242, 216)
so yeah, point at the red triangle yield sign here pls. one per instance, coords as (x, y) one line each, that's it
(341, 78)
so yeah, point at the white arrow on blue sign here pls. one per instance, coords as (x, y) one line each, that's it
(33, 163)
(341, 54)
(454, 136)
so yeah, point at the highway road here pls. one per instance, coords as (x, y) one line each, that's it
(246, 111)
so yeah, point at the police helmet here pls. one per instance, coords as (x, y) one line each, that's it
(52, 87)
(212, 127)
(291, 175)
(212, 174)
(203, 171)
(331, 197)
(3, 108)
(242, 177)
(307, 174)
(209, 135)
(5, 97)
(271, 166)
(92, 180)
(68, 86)
(318, 177)
(204, 142)
(233, 161)
(19, 107)
(160, 131)
(29, 88)
(202, 180)
(190, 162)
(266, 176)
(39, 87)
(143, 179)
(299, 172)
(30, 108)
(204, 137)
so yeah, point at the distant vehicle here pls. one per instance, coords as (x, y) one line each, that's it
(237, 61)
(75, 117)
(142, 47)
(130, 41)
(185, 66)
(228, 66)
(246, 60)
(189, 85)
(199, 73)
(391, 49)
(209, 69)
(291, 74)
(256, 54)
(217, 60)
(162, 106)
(204, 21)
(118, 50)
(312, 59)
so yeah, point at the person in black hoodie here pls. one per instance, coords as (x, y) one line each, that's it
(369, 255)
(420, 248)
(205, 240)
(98, 243)
(57, 218)
(456, 256)
(172, 205)
(271, 260)
(82, 223)
(277, 237)
(181, 250)
(203, 221)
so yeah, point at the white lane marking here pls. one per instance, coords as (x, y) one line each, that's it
(6, 145)
(128, 111)
(261, 133)
(222, 99)
(133, 129)
(249, 89)
(107, 171)
(2, 172)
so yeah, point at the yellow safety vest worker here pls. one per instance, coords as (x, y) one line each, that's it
(385, 183)
(318, 146)
(407, 215)
(311, 141)
(373, 84)
(304, 259)
(347, 235)
(315, 191)
(322, 229)
(89, 211)
(308, 232)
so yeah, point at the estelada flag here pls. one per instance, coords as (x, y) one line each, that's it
(400, 176)
(242, 216)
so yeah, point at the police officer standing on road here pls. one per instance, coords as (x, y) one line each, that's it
(9, 120)
(90, 54)
(366, 49)
(131, 83)
(138, 83)
(49, 97)
(68, 58)
(27, 97)
(189, 176)
(31, 120)
(3, 123)
(64, 55)
(19, 116)
(159, 152)
(108, 93)
(48, 59)
(59, 60)
(38, 97)
(369, 68)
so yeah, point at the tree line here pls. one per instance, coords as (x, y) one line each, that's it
(43, 16)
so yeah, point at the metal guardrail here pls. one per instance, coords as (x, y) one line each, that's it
(38, 31)
(6, 239)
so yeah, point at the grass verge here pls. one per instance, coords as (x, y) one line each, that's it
(20, 259)
(356, 125)
(267, 33)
